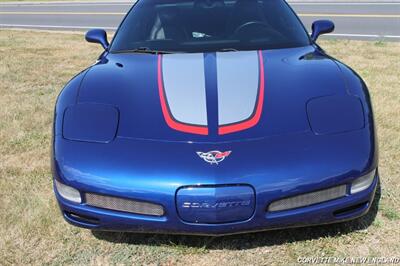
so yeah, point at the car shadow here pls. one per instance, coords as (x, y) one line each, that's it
(249, 240)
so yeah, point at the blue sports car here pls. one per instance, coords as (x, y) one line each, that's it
(213, 117)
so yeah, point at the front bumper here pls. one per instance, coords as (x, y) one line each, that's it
(338, 210)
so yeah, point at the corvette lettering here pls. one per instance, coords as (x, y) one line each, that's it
(215, 205)
(214, 157)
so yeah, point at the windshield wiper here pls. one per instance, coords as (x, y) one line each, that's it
(228, 50)
(142, 50)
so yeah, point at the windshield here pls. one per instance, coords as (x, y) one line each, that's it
(209, 25)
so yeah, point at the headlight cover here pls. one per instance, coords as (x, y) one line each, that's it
(362, 183)
(335, 114)
(67, 192)
(90, 122)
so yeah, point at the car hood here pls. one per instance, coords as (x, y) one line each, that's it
(212, 97)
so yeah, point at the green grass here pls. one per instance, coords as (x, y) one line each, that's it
(33, 68)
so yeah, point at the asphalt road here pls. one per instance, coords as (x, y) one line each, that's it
(355, 20)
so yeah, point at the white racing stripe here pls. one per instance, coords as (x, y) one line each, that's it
(238, 85)
(184, 87)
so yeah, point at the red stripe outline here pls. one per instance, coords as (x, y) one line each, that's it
(255, 118)
(171, 122)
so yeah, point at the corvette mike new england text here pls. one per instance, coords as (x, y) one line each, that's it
(349, 260)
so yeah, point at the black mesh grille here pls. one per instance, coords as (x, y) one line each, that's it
(308, 199)
(124, 205)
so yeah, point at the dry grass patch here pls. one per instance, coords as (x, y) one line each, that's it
(33, 68)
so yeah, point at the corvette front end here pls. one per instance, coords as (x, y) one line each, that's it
(259, 134)
(153, 188)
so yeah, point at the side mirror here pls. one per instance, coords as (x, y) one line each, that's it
(97, 36)
(321, 27)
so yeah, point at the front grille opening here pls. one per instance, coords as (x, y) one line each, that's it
(82, 218)
(351, 209)
(308, 199)
(124, 205)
